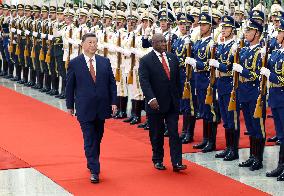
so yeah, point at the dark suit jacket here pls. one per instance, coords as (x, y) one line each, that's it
(92, 99)
(155, 83)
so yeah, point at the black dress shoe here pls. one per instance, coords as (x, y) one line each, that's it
(256, 165)
(276, 172)
(54, 92)
(135, 120)
(272, 139)
(231, 156)
(222, 154)
(269, 116)
(247, 163)
(281, 177)
(187, 139)
(95, 178)
(166, 134)
(146, 127)
(128, 120)
(159, 166)
(246, 133)
(179, 167)
(143, 125)
(278, 142)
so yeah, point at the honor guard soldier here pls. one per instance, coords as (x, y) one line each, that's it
(146, 31)
(195, 30)
(248, 91)
(21, 44)
(114, 47)
(78, 32)
(50, 55)
(43, 31)
(5, 13)
(275, 74)
(28, 28)
(95, 17)
(9, 67)
(188, 104)
(12, 42)
(129, 44)
(67, 47)
(223, 62)
(57, 55)
(36, 46)
(201, 54)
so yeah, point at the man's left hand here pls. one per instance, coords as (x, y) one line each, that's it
(114, 109)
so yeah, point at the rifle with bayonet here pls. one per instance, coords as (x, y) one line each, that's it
(209, 95)
(260, 103)
(119, 56)
(130, 75)
(187, 88)
(50, 32)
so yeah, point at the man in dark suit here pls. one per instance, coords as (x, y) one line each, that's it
(91, 86)
(159, 79)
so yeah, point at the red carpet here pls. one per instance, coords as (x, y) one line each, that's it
(51, 141)
(9, 161)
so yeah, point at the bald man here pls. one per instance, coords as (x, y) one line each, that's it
(159, 79)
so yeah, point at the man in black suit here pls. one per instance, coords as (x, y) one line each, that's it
(159, 79)
(91, 86)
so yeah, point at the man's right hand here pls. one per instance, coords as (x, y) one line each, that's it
(70, 111)
(154, 104)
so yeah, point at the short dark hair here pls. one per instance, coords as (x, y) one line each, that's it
(84, 37)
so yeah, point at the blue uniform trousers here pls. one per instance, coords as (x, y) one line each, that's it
(278, 117)
(255, 126)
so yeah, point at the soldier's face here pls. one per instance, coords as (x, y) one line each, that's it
(107, 21)
(164, 24)
(280, 37)
(131, 23)
(1, 11)
(36, 14)
(20, 12)
(44, 15)
(182, 27)
(238, 17)
(95, 20)
(227, 31)
(145, 24)
(60, 17)
(276, 23)
(250, 34)
(14, 13)
(68, 19)
(28, 13)
(204, 29)
(52, 16)
(82, 19)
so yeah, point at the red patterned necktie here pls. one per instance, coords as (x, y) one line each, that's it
(165, 66)
(92, 70)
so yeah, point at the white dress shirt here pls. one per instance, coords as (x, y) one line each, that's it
(87, 59)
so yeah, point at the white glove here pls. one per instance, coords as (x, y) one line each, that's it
(191, 61)
(49, 24)
(237, 67)
(214, 63)
(148, 31)
(35, 34)
(71, 41)
(27, 32)
(119, 49)
(234, 48)
(264, 71)
(50, 37)
(126, 52)
(43, 36)
(19, 32)
(13, 30)
(100, 46)
(262, 52)
(111, 48)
